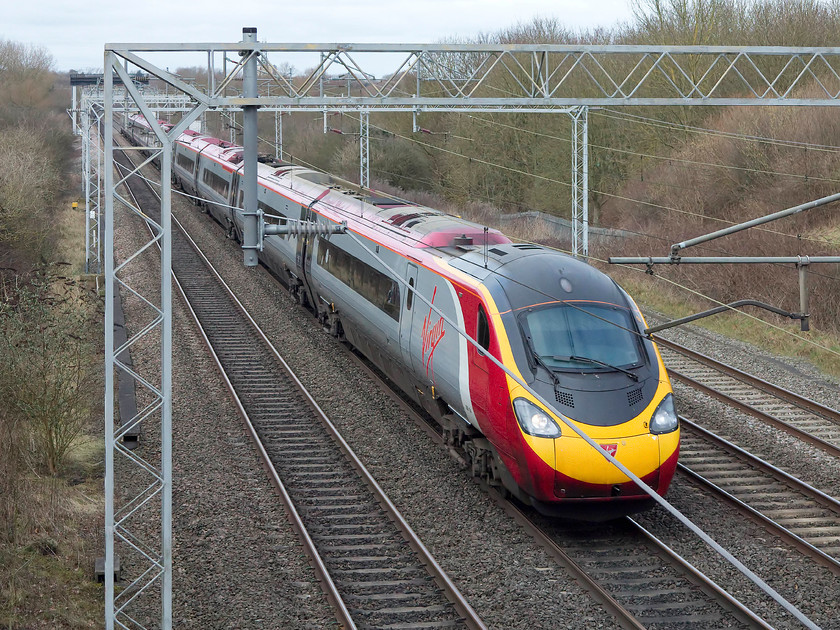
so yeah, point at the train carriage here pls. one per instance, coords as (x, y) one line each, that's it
(564, 328)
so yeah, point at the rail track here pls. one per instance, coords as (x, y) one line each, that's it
(791, 509)
(797, 415)
(633, 575)
(374, 569)
(803, 516)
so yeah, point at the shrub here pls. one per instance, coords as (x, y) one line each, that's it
(48, 366)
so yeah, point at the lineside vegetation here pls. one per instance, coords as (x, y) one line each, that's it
(662, 174)
(50, 358)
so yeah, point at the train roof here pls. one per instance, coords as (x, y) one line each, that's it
(139, 120)
(417, 225)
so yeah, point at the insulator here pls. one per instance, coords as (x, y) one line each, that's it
(306, 228)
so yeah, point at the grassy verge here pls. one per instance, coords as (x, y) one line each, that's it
(70, 247)
(46, 579)
(46, 572)
(787, 342)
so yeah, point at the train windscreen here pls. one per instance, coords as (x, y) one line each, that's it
(583, 336)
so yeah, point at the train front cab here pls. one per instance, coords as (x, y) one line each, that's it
(565, 476)
(622, 399)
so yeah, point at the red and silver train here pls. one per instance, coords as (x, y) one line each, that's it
(564, 328)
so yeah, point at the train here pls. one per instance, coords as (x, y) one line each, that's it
(556, 323)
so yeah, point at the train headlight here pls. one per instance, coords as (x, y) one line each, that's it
(534, 421)
(664, 419)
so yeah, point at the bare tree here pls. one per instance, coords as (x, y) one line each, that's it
(26, 80)
(48, 365)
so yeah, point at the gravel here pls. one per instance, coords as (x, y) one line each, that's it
(237, 562)
(812, 589)
(239, 565)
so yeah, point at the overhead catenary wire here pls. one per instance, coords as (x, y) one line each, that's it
(660, 277)
(670, 159)
(629, 231)
(674, 283)
(798, 237)
(269, 142)
(606, 112)
(391, 133)
(569, 185)
(672, 209)
(693, 291)
(664, 158)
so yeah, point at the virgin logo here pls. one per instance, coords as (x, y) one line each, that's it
(612, 449)
(431, 335)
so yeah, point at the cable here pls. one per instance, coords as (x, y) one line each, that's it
(619, 197)
(599, 192)
(660, 157)
(653, 122)
(720, 251)
(672, 282)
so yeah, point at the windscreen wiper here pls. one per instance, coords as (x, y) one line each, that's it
(542, 363)
(597, 362)
(539, 360)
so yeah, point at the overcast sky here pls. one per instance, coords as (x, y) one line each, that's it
(76, 32)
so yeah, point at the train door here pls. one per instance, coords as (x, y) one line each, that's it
(303, 259)
(488, 386)
(235, 199)
(302, 241)
(411, 305)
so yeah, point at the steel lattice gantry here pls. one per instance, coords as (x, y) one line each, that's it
(92, 182)
(442, 77)
(87, 113)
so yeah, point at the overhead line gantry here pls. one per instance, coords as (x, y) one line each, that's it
(532, 78)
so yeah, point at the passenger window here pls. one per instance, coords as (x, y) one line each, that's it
(409, 300)
(482, 335)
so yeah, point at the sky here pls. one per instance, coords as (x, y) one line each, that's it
(75, 32)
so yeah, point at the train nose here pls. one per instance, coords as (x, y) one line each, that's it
(580, 471)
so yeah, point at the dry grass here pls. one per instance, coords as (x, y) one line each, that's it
(70, 228)
(46, 579)
(47, 555)
(783, 338)
(768, 178)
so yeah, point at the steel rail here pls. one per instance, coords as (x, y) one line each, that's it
(702, 580)
(767, 467)
(321, 572)
(599, 592)
(795, 485)
(770, 388)
(623, 617)
(317, 563)
(727, 602)
(472, 620)
(806, 404)
(461, 605)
